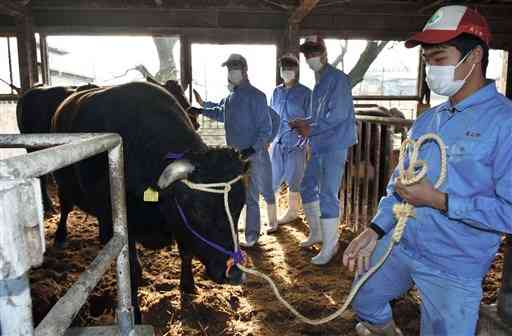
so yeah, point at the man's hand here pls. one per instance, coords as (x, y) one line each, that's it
(422, 193)
(198, 98)
(246, 153)
(360, 250)
(301, 126)
(194, 110)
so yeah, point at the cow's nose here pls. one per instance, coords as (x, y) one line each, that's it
(236, 276)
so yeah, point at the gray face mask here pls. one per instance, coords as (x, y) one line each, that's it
(315, 63)
(235, 77)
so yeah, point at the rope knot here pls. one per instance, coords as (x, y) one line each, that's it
(403, 210)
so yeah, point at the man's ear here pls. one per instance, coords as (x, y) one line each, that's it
(477, 55)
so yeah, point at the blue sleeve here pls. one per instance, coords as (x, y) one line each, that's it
(273, 99)
(384, 218)
(214, 110)
(487, 212)
(262, 121)
(307, 104)
(339, 107)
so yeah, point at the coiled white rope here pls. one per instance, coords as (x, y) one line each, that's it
(401, 211)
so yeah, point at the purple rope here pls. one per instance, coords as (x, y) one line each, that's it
(174, 156)
(237, 256)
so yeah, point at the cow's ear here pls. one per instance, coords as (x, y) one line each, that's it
(175, 171)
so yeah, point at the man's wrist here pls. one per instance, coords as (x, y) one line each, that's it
(441, 201)
(375, 228)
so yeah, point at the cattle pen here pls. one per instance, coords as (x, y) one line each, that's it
(46, 41)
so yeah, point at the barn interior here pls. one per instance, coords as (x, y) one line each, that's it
(26, 26)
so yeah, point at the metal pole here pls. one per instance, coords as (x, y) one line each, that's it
(118, 199)
(64, 311)
(50, 159)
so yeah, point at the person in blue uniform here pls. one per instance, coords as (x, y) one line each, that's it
(248, 127)
(449, 245)
(291, 100)
(331, 130)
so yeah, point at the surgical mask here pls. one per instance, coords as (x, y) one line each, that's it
(287, 75)
(235, 76)
(315, 63)
(441, 78)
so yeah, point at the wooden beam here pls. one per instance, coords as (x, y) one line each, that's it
(302, 11)
(27, 56)
(12, 8)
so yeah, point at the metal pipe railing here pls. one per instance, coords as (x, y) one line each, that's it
(71, 148)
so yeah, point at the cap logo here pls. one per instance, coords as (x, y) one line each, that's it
(435, 18)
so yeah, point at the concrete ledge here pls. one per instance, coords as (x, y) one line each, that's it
(141, 330)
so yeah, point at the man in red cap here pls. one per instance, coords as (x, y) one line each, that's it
(449, 245)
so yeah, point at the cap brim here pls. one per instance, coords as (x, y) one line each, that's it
(289, 59)
(310, 45)
(431, 37)
(232, 62)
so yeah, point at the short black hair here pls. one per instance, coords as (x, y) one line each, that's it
(464, 43)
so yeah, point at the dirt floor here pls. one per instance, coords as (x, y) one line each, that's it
(245, 310)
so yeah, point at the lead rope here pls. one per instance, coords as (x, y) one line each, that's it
(401, 211)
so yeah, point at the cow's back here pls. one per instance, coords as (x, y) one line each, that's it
(151, 126)
(37, 106)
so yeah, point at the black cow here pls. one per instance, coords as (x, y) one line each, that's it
(37, 106)
(34, 113)
(152, 126)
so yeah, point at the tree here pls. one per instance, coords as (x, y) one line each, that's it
(165, 47)
(369, 54)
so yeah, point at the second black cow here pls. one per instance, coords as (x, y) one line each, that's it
(154, 131)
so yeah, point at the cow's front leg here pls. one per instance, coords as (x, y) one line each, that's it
(187, 283)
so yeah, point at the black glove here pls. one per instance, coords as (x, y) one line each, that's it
(245, 153)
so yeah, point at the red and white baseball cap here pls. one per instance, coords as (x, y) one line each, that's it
(312, 41)
(449, 22)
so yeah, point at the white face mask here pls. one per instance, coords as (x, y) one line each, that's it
(235, 77)
(441, 78)
(315, 63)
(287, 75)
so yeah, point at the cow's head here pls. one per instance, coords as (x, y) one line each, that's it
(205, 212)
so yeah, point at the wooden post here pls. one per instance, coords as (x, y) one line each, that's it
(289, 43)
(26, 51)
(186, 63)
(45, 69)
(505, 294)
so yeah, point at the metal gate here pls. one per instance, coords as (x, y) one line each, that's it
(22, 241)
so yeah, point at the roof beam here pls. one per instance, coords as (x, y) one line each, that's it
(302, 11)
(12, 8)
